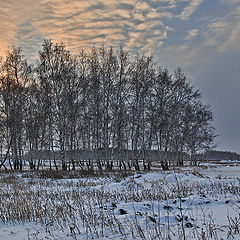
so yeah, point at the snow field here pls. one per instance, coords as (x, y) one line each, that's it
(191, 203)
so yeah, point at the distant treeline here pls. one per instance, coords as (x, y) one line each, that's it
(101, 99)
(218, 155)
(86, 159)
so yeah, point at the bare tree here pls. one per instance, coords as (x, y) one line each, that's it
(16, 74)
(55, 72)
(100, 106)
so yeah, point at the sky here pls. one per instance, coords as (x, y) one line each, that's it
(201, 36)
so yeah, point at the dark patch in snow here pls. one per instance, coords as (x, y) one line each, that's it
(189, 225)
(138, 176)
(167, 207)
(114, 205)
(122, 211)
(152, 219)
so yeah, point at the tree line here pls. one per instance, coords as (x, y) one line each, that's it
(219, 155)
(103, 101)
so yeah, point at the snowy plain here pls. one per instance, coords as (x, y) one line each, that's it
(185, 203)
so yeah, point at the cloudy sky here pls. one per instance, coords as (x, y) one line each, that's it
(202, 36)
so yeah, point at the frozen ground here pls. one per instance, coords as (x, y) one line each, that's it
(188, 203)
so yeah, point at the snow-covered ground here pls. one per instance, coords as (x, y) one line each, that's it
(187, 203)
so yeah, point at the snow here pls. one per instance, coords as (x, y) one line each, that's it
(199, 200)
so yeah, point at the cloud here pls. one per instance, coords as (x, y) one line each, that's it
(223, 34)
(233, 40)
(231, 1)
(190, 9)
(146, 41)
(85, 23)
(191, 34)
(139, 25)
(159, 15)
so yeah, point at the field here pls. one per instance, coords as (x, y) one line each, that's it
(185, 203)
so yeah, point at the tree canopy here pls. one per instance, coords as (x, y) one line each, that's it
(118, 107)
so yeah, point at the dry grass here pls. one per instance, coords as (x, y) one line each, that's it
(69, 202)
